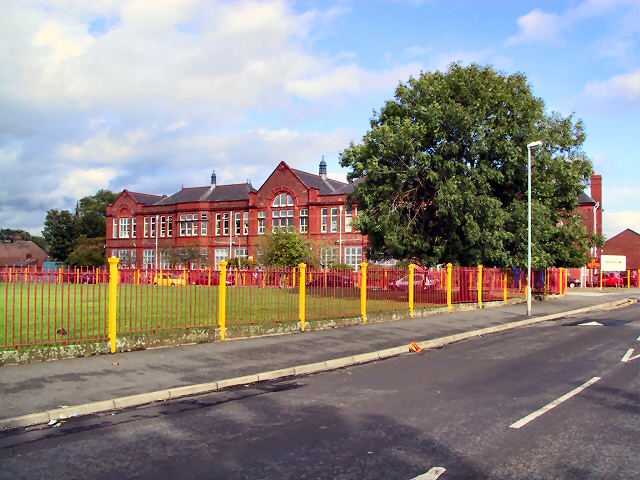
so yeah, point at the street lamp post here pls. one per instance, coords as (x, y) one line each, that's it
(537, 143)
(156, 235)
(340, 238)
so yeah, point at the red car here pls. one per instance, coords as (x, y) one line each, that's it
(214, 279)
(609, 280)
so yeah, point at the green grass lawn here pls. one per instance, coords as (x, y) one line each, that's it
(57, 313)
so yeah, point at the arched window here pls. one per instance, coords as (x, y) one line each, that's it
(281, 216)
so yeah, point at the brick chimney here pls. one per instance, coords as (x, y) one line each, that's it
(596, 194)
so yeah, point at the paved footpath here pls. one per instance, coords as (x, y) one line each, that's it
(49, 390)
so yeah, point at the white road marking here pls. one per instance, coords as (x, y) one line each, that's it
(638, 339)
(553, 404)
(627, 356)
(432, 474)
(591, 323)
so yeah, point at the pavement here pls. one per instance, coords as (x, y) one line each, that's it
(42, 392)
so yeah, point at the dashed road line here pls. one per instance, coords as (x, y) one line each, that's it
(555, 403)
(432, 474)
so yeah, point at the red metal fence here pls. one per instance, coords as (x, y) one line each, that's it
(66, 306)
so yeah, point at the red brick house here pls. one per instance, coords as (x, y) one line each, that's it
(21, 253)
(625, 243)
(226, 221)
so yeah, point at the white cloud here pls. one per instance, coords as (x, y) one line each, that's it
(537, 26)
(625, 87)
(616, 222)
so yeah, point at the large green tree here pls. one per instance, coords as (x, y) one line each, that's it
(92, 211)
(89, 252)
(61, 233)
(285, 248)
(444, 170)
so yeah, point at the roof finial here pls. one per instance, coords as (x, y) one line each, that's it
(213, 179)
(323, 169)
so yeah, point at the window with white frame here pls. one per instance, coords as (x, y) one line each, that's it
(147, 258)
(189, 225)
(124, 228)
(304, 220)
(169, 226)
(162, 226)
(262, 220)
(115, 228)
(334, 219)
(245, 223)
(145, 232)
(204, 220)
(220, 254)
(348, 221)
(218, 224)
(226, 220)
(152, 230)
(353, 256)
(328, 256)
(281, 219)
(242, 252)
(324, 226)
(283, 200)
(237, 224)
(134, 230)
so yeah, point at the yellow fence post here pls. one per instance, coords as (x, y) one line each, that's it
(449, 285)
(480, 286)
(113, 301)
(363, 292)
(505, 292)
(601, 280)
(628, 279)
(302, 309)
(412, 269)
(222, 300)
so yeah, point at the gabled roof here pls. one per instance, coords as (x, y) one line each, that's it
(221, 193)
(145, 198)
(325, 187)
(624, 233)
(584, 199)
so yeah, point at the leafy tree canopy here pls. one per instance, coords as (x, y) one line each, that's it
(88, 253)
(284, 248)
(92, 212)
(446, 174)
(97, 203)
(61, 233)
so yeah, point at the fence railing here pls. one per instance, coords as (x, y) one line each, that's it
(87, 305)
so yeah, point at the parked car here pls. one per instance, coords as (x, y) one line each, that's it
(332, 280)
(633, 280)
(420, 281)
(573, 282)
(611, 279)
(168, 279)
(214, 279)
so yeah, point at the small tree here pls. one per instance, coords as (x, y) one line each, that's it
(181, 256)
(284, 248)
(61, 233)
(88, 253)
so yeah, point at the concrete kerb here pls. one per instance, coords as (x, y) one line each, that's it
(180, 392)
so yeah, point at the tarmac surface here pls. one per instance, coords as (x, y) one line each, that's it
(40, 392)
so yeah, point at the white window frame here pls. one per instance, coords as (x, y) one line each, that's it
(262, 222)
(115, 228)
(145, 232)
(304, 220)
(245, 223)
(324, 226)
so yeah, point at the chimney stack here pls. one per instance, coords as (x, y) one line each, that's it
(323, 169)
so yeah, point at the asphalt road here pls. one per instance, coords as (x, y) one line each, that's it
(469, 408)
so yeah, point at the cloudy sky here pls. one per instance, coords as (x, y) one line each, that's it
(150, 95)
